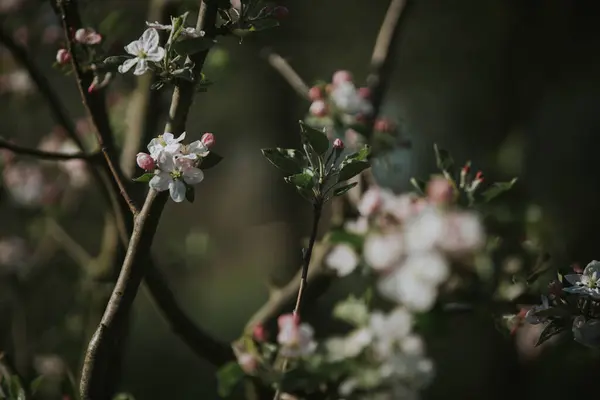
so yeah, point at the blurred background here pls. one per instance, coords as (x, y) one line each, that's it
(511, 85)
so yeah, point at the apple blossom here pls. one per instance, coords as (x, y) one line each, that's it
(144, 49)
(318, 108)
(341, 76)
(145, 161)
(173, 174)
(208, 139)
(165, 143)
(347, 100)
(383, 250)
(295, 339)
(342, 259)
(63, 56)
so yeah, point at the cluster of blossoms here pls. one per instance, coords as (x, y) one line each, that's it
(174, 165)
(575, 307)
(410, 242)
(83, 36)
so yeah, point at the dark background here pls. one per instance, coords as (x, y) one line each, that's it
(512, 85)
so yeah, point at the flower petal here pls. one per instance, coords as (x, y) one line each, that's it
(159, 26)
(180, 138)
(149, 39)
(165, 162)
(141, 68)
(193, 175)
(199, 148)
(177, 191)
(156, 55)
(126, 66)
(134, 48)
(161, 181)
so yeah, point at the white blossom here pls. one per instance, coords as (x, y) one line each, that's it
(587, 283)
(194, 150)
(404, 287)
(383, 250)
(340, 348)
(295, 339)
(144, 49)
(389, 329)
(166, 143)
(424, 231)
(463, 232)
(348, 100)
(173, 174)
(430, 267)
(342, 259)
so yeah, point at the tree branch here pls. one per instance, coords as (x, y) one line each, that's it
(46, 155)
(98, 357)
(93, 102)
(287, 72)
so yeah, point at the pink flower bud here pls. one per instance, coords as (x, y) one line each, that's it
(318, 108)
(315, 93)
(364, 92)
(247, 362)
(439, 190)
(92, 86)
(208, 139)
(259, 333)
(338, 144)
(341, 77)
(384, 125)
(145, 161)
(63, 56)
(280, 12)
(87, 36)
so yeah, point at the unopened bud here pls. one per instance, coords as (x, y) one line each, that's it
(92, 86)
(208, 139)
(315, 93)
(384, 125)
(87, 36)
(341, 77)
(338, 144)
(463, 174)
(318, 108)
(145, 161)
(280, 12)
(63, 56)
(259, 333)
(477, 181)
(364, 92)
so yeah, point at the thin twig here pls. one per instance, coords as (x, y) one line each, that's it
(91, 101)
(383, 56)
(46, 155)
(287, 72)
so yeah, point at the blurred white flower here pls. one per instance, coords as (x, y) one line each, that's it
(295, 339)
(173, 174)
(342, 259)
(430, 267)
(25, 183)
(424, 231)
(412, 345)
(144, 49)
(463, 233)
(348, 100)
(370, 201)
(166, 143)
(383, 250)
(359, 227)
(389, 329)
(340, 348)
(17, 81)
(87, 36)
(403, 286)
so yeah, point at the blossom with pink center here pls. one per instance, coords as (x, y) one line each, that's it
(295, 339)
(87, 36)
(341, 76)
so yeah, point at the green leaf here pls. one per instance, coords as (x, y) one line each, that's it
(190, 193)
(35, 384)
(144, 178)
(15, 388)
(210, 160)
(443, 159)
(352, 169)
(263, 24)
(418, 184)
(193, 45)
(343, 189)
(497, 189)
(303, 180)
(316, 138)
(290, 161)
(115, 60)
(228, 376)
(553, 328)
(361, 155)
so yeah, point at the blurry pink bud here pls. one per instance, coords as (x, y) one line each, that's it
(208, 139)
(259, 333)
(384, 125)
(280, 12)
(439, 190)
(288, 319)
(247, 362)
(370, 202)
(338, 144)
(341, 77)
(92, 86)
(315, 93)
(364, 92)
(145, 161)
(318, 108)
(87, 36)
(63, 56)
